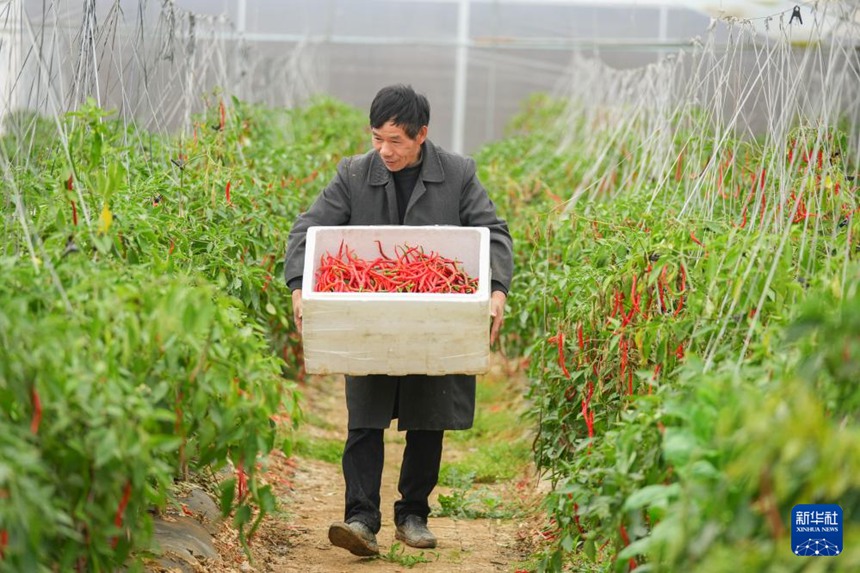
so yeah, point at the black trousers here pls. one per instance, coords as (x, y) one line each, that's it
(363, 457)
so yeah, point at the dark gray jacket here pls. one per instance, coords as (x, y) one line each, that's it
(448, 192)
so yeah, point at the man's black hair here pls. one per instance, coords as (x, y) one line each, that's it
(402, 106)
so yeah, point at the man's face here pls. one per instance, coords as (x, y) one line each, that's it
(396, 148)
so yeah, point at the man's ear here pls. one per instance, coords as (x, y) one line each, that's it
(422, 135)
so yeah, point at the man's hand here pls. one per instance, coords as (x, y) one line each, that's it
(297, 309)
(497, 311)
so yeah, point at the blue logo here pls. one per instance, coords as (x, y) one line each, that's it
(816, 530)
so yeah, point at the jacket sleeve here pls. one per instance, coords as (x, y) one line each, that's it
(331, 207)
(478, 210)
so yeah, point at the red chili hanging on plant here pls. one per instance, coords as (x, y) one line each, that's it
(618, 304)
(123, 503)
(744, 220)
(558, 340)
(4, 542)
(241, 481)
(120, 510)
(227, 193)
(222, 112)
(657, 370)
(631, 563)
(37, 411)
(588, 415)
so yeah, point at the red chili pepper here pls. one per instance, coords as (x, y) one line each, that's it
(123, 503)
(579, 338)
(558, 340)
(70, 183)
(411, 271)
(633, 291)
(618, 304)
(74, 213)
(241, 481)
(586, 414)
(657, 370)
(744, 221)
(631, 563)
(624, 537)
(820, 159)
(120, 510)
(4, 542)
(800, 213)
(37, 411)
(695, 240)
(227, 194)
(679, 166)
(679, 352)
(223, 115)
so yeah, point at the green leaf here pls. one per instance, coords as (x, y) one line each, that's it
(242, 516)
(652, 494)
(678, 446)
(227, 492)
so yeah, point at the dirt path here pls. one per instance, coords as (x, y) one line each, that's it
(311, 495)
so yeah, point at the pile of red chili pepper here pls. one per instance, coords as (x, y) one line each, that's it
(410, 270)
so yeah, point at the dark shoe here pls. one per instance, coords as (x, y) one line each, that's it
(355, 537)
(413, 531)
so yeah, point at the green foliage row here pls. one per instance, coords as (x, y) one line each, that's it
(144, 323)
(656, 320)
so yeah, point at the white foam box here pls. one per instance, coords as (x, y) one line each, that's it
(363, 333)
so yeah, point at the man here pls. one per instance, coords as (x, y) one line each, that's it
(405, 180)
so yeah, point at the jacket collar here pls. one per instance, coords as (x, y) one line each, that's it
(431, 170)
